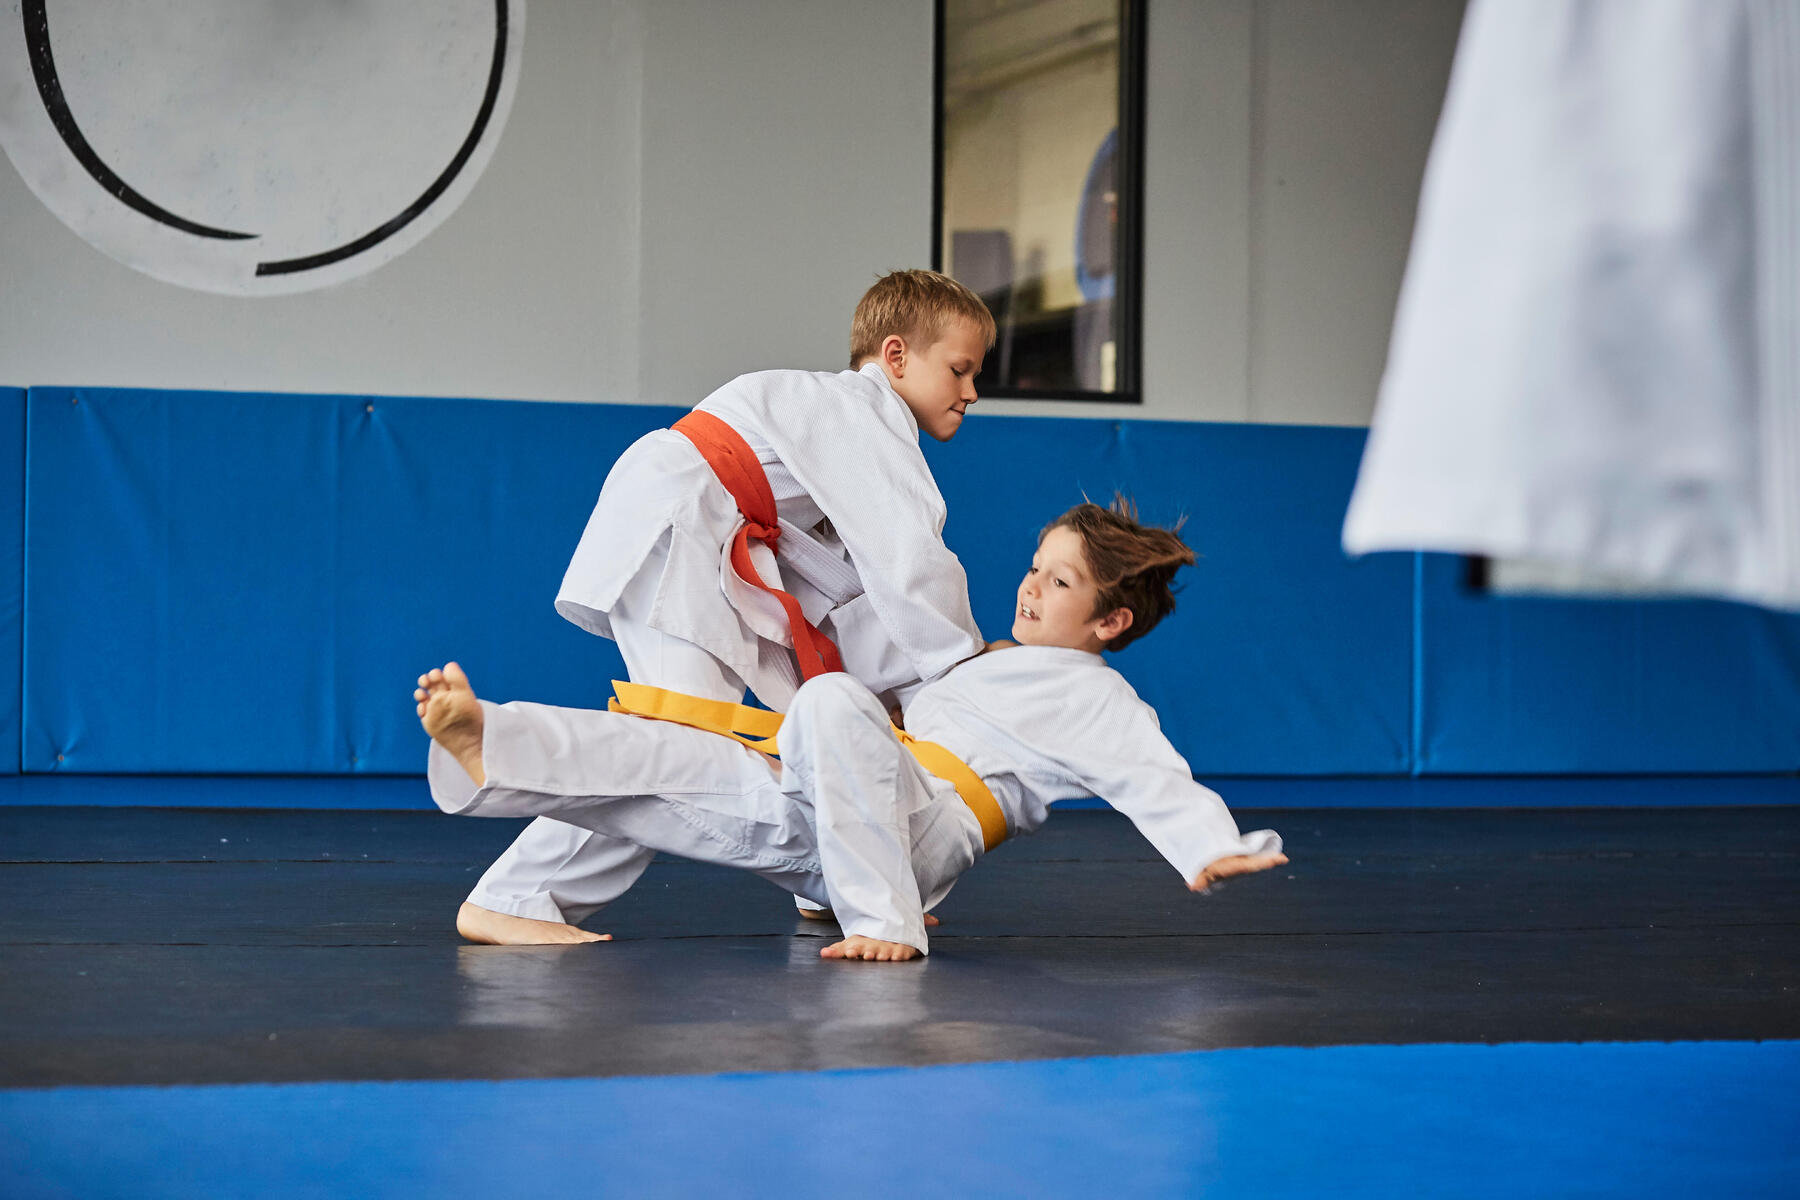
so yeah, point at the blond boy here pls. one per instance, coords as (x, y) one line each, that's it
(859, 548)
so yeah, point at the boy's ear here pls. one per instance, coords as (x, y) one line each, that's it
(1113, 624)
(893, 354)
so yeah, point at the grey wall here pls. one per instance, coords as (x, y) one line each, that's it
(1284, 145)
(528, 289)
(688, 189)
(786, 163)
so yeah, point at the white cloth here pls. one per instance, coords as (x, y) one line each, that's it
(1044, 723)
(555, 871)
(1596, 354)
(852, 821)
(861, 543)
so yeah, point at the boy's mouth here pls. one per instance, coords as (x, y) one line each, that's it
(1027, 613)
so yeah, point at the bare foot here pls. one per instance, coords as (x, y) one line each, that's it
(825, 914)
(870, 950)
(1235, 864)
(485, 927)
(451, 714)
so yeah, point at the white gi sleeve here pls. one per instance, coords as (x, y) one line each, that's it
(1125, 760)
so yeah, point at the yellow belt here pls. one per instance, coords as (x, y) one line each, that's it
(756, 728)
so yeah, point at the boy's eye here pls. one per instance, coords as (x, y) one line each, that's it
(1062, 583)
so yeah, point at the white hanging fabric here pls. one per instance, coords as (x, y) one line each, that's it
(1596, 355)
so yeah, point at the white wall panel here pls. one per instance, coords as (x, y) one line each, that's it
(787, 162)
(688, 189)
(527, 290)
(1346, 99)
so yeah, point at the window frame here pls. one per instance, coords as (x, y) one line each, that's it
(1128, 297)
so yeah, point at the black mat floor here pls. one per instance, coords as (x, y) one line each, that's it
(204, 946)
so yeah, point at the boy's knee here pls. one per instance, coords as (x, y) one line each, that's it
(830, 702)
(836, 692)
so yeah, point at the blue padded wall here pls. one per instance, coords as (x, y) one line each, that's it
(1281, 657)
(251, 583)
(12, 570)
(1547, 685)
(229, 583)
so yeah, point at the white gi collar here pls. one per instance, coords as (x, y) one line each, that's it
(1067, 656)
(872, 370)
(1040, 658)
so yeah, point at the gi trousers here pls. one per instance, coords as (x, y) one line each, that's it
(849, 819)
(557, 871)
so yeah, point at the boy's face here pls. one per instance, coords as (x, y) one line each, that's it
(1057, 598)
(938, 382)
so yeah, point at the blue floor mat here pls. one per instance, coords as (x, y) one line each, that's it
(1513, 1121)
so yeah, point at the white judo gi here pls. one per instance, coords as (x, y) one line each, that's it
(850, 820)
(861, 544)
(861, 549)
(1596, 355)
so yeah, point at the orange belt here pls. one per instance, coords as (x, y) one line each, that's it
(732, 460)
(757, 727)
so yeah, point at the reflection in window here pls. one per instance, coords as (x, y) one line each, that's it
(1037, 199)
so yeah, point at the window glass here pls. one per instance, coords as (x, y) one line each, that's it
(1033, 215)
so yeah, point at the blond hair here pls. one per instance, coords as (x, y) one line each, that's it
(1132, 564)
(917, 305)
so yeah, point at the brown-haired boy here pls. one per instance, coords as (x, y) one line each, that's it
(804, 483)
(852, 818)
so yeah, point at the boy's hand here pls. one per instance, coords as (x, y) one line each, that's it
(1234, 864)
(1002, 644)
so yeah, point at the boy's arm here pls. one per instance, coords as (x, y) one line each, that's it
(1126, 761)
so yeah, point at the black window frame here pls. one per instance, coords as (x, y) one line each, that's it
(1128, 294)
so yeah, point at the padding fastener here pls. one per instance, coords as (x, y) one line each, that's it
(368, 408)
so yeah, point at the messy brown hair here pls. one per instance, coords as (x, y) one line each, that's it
(917, 305)
(1131, 563)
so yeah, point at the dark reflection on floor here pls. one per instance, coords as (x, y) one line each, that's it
(161, 946)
